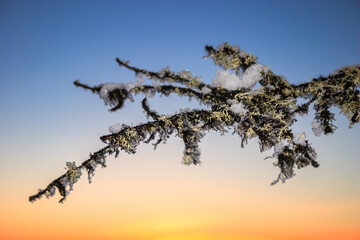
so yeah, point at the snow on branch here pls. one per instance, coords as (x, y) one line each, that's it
(245, 97)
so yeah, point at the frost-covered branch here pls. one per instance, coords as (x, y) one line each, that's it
(245, 97)
(65, 182)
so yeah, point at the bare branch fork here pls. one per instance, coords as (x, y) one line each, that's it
(245, 97)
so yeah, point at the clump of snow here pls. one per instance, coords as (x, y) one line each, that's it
(247, 80)
(229, 59)
(109, 87)
(278, 148)
(316, 128)
(205, 90)
(252, 75)
(116, 128)
(184, 110)
(270, 87)
(236, 125)
(231, 101)
(242, 53)
(299, 138)
(162, 72)
(238, 108)
(226, 80)
(137, 83)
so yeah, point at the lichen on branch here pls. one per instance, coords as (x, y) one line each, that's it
(245, 97)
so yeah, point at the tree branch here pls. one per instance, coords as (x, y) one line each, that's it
(267, 112)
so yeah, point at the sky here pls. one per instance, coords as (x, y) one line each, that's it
(46, 121)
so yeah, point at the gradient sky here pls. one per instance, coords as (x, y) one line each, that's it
(46, 121)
